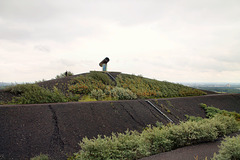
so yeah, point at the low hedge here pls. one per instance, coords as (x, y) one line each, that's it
(153, 140)
(229, 149)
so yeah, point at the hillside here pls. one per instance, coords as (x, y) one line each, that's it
(94, 86)
(56, 129)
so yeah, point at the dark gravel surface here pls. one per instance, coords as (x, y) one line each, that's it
(56, 129)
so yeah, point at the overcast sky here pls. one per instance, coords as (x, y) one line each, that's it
(172, 40)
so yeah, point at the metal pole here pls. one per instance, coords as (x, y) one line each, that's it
(159, 110)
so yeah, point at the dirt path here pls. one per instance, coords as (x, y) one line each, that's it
(200, 151)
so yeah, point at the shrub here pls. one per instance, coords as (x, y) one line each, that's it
(20, 88)
(118, 146)
(157, 138)
(33, 93)
(229, 149)
(212, 111)
(225, 124)
(122, 94)
(98, 94)
(189, 133)
(134, 145)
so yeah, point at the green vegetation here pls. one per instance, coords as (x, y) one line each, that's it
(149, 88)
(33, 93)
(122, 93)
(98, 86)
(85, 84)
(155, 139)
(193, 118)
(229, 149)
(212, 111)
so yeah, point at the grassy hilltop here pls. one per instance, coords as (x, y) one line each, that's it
(94, 86)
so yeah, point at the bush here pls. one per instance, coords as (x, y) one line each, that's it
(153, 140)
(229, 149)
(20, 88)
(33, 93)
(117, 146)
(157, 139)
(98, 94)
(189, 133)
(225, 124)
(122, 94)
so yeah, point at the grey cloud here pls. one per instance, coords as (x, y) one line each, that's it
(14, 33)
(64, 20)
(204, 35)
(26, 10)
(57, 31)
(198, 63)
(42, 20)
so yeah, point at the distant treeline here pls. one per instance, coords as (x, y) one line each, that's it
(221, 89)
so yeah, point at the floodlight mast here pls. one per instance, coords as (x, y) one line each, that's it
(103, 64)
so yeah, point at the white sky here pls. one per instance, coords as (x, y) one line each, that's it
(173, 40)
